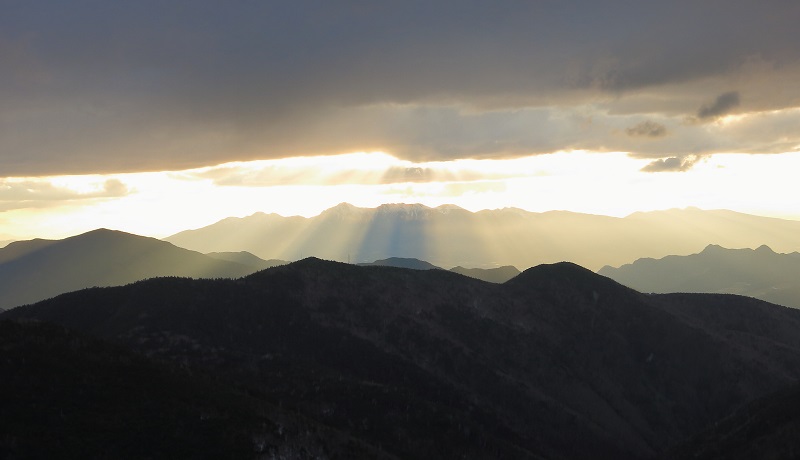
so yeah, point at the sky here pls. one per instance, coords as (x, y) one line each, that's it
(154, 117)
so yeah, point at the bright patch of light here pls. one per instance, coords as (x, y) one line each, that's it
(162, 203)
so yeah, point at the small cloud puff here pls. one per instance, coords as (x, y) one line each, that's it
(672, 164)
(647, 129)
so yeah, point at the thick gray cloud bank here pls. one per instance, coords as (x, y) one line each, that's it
(92, 86)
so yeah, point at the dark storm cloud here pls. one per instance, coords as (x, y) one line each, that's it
(647, 129)
(110, 86)
(722, 105)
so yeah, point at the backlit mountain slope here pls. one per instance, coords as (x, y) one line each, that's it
(448, 236)
(557, 363)
(760, 273)
(35, 270)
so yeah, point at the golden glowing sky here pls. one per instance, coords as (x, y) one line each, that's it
(162, 203)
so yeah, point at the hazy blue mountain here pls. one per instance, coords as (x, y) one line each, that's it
(19, 249)
(403, 262)
(246, 258)
(558, 362)
(761, 273)
(37, 269)
(492, 275)
(448, 236)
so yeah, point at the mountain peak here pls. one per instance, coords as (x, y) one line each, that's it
(764, 249)
(713, 249)
(403, 262)
(447, 208)
(401, 207)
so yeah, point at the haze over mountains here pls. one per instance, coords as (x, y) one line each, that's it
(492, 275)
(37, 269)
(761, 273)
(448, 236)
(557, 363)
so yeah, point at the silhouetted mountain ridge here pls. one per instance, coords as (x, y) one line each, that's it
(558, 362)
(761, 273)
(492, 275)
(403, 262)
(37, 269)
(448, 236)
(247, 259)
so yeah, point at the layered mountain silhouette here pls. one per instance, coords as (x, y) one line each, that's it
(37, 269)
(245, 258)
(558, 362)
(761, 273)
(403, 262)
(492, 275)
(449, 236)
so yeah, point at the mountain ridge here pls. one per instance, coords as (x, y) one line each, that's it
(35, 270)
(558, 362)
(761, 273)
(448, 237)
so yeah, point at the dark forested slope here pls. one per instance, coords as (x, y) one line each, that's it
(557, 363)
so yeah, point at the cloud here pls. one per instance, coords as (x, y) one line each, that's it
(40, 193)
(141, 86)
(722, 105)
(647, 129)
(672, 164)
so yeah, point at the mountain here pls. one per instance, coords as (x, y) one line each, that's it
(448, 236)
(403, 262)
(246, 258)
(492, 275)
(65, 395)
(766, 428)
(558, 362)
(761, 273)
(37, 269)
(5, 239)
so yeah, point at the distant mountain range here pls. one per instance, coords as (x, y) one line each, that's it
(402, 262)
(37, 269)
(761, 273)
(558, 362)
(492, 275)
(245, 258)
(449, 236)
